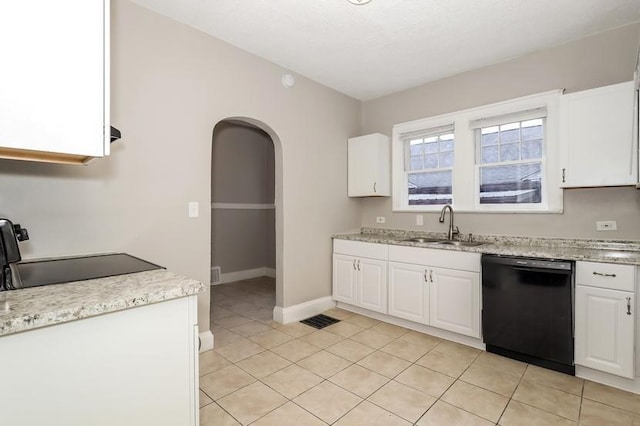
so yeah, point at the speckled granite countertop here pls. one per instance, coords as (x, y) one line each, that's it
(36, 307)
(622, 252)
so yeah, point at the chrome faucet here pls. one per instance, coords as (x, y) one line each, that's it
(452, 230)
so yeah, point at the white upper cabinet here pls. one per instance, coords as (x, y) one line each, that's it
(54, 80)
(369, 166)
(596, 129)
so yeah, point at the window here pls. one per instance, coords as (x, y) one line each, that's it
(429, 166)
(509, 157)
(502, 157)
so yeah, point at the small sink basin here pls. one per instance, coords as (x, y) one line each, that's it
(422, 240)
(461, 243)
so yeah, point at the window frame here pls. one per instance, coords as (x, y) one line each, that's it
(428, 133)
(526, 207)
(465, 192)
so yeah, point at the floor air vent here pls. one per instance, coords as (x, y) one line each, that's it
(320, 321)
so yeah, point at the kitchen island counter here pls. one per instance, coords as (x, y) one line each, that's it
(28, 309)
(121, 350)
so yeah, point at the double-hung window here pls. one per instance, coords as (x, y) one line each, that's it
(501, 157)
(510, 154)
(428, 165)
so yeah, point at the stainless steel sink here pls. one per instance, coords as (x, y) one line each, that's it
(423, 240)
(461, 243)
(444, 242)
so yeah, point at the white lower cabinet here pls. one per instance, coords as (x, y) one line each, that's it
(372, 284)
(440, 288)
(408, 292)
(137, 366)
(604, 330)
(455, 301)
(605, 317)
(360, 274)
(344, 278)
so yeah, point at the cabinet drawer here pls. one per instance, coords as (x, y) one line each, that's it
(450, 259)
(360, 249)
(606, 275)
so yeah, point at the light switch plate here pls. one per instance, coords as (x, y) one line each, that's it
(194, 209)
(419, 220)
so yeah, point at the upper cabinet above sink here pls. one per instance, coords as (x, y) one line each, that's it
(54, 80)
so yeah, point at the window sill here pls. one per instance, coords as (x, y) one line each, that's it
(556, 211)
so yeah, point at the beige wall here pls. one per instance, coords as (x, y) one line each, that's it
(243, 165)
(243, 172)
(599, 60)
(170, 86)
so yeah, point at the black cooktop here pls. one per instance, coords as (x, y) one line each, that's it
(58, 271)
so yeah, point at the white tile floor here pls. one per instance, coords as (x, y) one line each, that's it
(365, 372)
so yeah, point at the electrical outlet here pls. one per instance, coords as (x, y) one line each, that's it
(380, 219)
(419, 220)
(606, 225)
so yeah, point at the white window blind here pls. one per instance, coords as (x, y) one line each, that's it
(496, 120)
(424, 133)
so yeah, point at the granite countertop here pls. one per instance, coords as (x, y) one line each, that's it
(26, 309)
(622, 252)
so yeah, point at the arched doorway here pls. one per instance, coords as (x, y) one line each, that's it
(246, 227)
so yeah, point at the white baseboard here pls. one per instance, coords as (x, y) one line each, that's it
(247, 274)
(206, 341)
(630, 385)
(302, 310)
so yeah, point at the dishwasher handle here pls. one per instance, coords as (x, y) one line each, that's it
(541, 270)
(528, 262)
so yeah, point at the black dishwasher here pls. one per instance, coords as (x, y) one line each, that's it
(527, 310)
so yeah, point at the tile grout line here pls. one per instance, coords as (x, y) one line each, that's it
(584, 382)
(370, 327)
(460, 379)
(542, 409)
(513, 393)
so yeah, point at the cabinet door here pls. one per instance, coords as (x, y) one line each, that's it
(409, 292)
(344, 278)
(372, 284)
(129, 367)
(53, 86)
(369, 166)
(604, 330)
(597, 133)
(455, 301)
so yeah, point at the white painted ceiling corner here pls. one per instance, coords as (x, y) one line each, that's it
(385, 46)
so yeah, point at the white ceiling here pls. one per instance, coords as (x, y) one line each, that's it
(386, 46)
